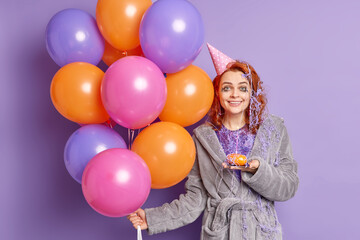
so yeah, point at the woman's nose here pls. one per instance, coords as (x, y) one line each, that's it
(235, 93)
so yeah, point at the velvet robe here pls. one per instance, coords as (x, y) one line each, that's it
(233, 209)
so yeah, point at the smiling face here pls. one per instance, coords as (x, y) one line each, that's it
(234, 93)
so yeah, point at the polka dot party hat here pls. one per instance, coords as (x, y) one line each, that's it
(219, 59)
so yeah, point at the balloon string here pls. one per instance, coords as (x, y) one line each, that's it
(132, 136)
(139, 236)
(129, 143)
(108, 123)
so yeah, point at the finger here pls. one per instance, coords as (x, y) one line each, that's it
(252, 166)
(130, 215)
(246, 170)
(237, 167)
(243, 169)
(134, 215)
(250, 170)
(132, 219)
(142, 227)
(255, 163)
(136, 224)
(135, 219)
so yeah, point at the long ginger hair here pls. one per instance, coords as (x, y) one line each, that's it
(216, 112)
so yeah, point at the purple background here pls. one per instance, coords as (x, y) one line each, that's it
(306, 52)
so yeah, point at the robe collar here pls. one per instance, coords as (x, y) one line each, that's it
(209, 140)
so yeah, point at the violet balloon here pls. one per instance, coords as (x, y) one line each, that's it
(116, 182)
(133, 92)
(172, 34)
(72, 35)
(85, 143)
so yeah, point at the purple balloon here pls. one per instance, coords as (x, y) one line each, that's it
(72, 35)
(172, 34)
(85, 143)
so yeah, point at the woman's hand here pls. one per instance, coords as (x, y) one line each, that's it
(138, 218)
(252, 168)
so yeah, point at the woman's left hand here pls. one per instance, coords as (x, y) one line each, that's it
(252, 168)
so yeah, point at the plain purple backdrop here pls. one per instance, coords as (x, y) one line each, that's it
(307, 54)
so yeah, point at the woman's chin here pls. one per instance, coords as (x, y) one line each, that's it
(234, 112)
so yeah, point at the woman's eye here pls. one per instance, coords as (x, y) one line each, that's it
(225, 89)
(243, 89)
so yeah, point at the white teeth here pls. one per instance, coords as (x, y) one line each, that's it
(235, 102)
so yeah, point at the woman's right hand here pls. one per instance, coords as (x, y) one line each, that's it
(251, 168)
(138, 218)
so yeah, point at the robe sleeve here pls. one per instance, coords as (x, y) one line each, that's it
(276, 183)
(182, 211)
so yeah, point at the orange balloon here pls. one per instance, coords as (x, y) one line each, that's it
(75, 93)
(190, 96)
(169, 152)
(119, 21)
(112, 54)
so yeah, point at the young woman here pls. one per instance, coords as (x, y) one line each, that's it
(238, 201)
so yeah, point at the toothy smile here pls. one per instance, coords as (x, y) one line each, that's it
(234, 103)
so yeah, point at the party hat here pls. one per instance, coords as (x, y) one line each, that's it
(220, 60)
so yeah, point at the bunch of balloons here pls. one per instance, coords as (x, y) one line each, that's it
(141, 42)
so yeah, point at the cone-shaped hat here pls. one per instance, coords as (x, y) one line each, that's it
(220, 60)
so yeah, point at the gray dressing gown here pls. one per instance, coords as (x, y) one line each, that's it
(233, 209)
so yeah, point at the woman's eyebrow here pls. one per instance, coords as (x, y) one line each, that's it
(245, 82)
(240, 83)
(226, 83)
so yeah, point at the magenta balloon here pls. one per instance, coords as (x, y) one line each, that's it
(133, 92)
(116, 182)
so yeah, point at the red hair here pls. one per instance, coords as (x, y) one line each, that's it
(215, 113)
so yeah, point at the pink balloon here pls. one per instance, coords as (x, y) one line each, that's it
(116, 182)
(133, 91)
